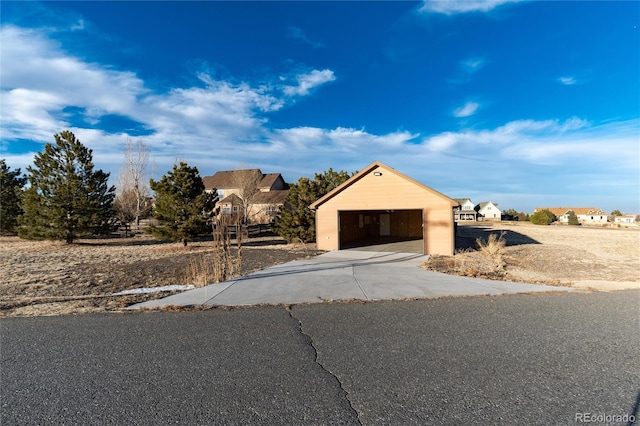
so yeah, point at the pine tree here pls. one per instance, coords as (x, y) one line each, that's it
(181, 205)
(572, 218)
(297, 221)
(67, 198)
(11, 183)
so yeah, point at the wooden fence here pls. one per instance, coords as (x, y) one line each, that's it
(251, 231)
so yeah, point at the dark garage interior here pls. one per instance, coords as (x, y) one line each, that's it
(361, 228)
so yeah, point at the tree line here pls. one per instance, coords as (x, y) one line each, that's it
(64, 197)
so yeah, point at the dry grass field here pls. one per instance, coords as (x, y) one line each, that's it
(52, 278)
(583, 257)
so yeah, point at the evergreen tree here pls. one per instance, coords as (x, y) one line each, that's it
(327, 181)
(11, 183)
(573, 218)
(297, 220)
(67, 197)
(181, 205)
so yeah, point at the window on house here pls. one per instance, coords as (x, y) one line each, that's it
(220, 193)
(226, 210)
(271, 210)
(235, 209)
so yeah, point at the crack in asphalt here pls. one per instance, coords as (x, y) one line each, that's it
(315, 351)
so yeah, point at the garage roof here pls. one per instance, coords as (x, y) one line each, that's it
(371, 167)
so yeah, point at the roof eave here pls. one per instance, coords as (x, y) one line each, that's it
(376, 164)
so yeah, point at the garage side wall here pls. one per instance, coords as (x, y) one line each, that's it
(388, 192)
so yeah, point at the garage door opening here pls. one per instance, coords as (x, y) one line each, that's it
(382, 230)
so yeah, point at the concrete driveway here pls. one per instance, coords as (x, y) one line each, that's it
(343, 275)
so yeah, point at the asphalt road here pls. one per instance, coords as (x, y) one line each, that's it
(520, 359)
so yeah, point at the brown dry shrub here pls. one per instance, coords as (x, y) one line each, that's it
(200, 271)
(494, 248)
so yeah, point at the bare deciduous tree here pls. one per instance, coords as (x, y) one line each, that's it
(133, 198)
(248, 183)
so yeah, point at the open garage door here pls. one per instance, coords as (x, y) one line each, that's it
(387, 230)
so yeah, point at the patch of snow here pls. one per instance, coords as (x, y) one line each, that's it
(154, 289)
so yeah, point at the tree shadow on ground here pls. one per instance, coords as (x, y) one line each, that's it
(467, 235)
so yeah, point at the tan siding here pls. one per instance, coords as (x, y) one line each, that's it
(389, 192)
(439, 239)
(327, 230)
(374, 192)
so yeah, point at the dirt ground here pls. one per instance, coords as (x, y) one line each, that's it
(52, 278)
(582, 257)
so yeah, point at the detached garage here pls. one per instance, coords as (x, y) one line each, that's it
(379, 205)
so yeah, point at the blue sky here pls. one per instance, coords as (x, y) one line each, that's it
(522, 103)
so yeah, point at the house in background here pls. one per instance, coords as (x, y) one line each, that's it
(265, 191)
(586, 215)
(267, 205)
(624, 219)
(465, 211)
(489, 211)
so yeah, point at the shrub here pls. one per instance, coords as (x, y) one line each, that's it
(542, 217)
(494, 248)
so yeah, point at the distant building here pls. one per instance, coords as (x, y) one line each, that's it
(465, 212)
(624, 219)
(489, 211)
(586, 215)
(270, 191)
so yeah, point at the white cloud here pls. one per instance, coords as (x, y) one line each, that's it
(41, 80)
(472, 65)
(78, 26)
(309, 81)
(548, 142)
(466, 110)
(567, 81)
(450, 7)
(341, 139)
(219, 125)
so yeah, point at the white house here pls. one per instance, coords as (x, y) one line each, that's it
(466, 211)
(624, 219)
(489, 211)
(586, 215)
